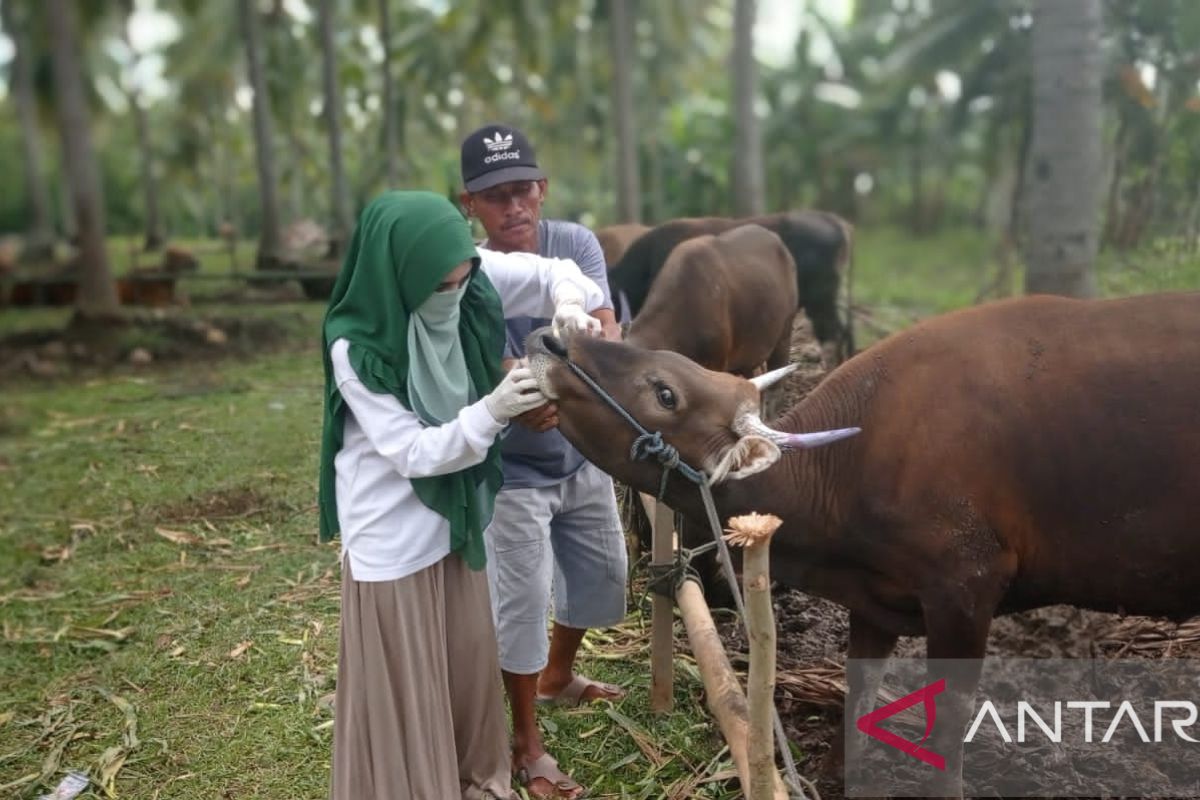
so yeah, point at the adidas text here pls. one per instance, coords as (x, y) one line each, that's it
(501, 156)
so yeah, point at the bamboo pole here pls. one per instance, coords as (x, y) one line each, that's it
(724, 695)
(753, 532)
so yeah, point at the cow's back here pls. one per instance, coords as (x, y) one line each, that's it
(1066, 429)
(641, 263)
(724, 301)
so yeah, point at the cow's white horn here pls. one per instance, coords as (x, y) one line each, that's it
(815, 439)
(767, 379)
(752, 425)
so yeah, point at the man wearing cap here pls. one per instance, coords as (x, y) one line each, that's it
(556, 531)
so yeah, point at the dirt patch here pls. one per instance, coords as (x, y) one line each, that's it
(142, 339)
(225, 504)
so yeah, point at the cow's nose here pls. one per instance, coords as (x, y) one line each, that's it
(553, 345)
(543, 341)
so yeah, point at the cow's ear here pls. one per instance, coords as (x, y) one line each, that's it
(751, 454)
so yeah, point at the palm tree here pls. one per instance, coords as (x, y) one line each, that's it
(628, 191)
(391, 142)
(269, 227)
(40, 237)
(748, 192)
(343, 217)
(1064, 166)
(154, 235)
(96, 294)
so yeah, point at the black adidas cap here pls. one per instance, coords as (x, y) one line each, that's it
(497, 154)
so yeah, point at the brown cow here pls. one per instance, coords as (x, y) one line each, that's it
(818, 241)
(1013, 455)
(741, 300)
(616, 239)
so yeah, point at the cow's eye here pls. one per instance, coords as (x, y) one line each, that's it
(665, 395)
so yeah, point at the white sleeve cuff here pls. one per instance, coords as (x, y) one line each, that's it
(479, 427)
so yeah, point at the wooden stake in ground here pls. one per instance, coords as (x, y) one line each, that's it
(753, 532)
(662, 631)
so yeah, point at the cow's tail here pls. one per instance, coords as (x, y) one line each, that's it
(845, 267)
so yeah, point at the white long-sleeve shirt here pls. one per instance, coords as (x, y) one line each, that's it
(386, 530)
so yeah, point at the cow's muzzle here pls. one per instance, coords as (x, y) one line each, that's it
(544, 349)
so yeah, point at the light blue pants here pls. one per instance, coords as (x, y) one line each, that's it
(563, 542)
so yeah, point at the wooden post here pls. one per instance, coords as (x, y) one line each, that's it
(753, 531)
(662, 619)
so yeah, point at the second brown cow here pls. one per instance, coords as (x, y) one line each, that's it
(726, 302)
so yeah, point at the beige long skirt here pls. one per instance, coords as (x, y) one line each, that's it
(419, 712)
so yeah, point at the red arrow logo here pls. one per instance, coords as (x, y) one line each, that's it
(868, 723)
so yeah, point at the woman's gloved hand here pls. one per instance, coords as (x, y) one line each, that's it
(569, 314)
(516, 394)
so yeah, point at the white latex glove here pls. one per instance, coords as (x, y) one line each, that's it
(516, 394)
(569, 314)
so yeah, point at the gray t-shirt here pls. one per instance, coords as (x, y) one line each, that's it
(543, 459)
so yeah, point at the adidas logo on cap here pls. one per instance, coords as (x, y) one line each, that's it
(498, 142)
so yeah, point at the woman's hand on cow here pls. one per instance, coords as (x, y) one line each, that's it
(570, 316)
(540, 419)
(517, 393)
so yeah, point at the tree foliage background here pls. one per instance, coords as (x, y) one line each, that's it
(909, 112)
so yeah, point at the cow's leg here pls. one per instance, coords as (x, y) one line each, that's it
(866, 659)
(958, 615)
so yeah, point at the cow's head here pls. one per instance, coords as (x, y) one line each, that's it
(711, 418)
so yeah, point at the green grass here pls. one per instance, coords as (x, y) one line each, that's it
(170, 622)
(899, 279)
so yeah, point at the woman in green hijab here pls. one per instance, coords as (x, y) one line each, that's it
(414, 401)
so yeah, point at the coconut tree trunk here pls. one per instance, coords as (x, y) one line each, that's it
(628, 192)
(66, 207)
(748, 180)
(391, 143)
(96, 293)
(296, 210)
(268, 235)
(226, 170)
(141, 122)
(154, 235)
(41, 224)
(343, 217)
(1065, 161)
(1193, 226)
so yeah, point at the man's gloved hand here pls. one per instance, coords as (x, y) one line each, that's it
(516, 394)
(569, 314)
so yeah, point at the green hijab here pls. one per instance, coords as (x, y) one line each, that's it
(404, 246)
